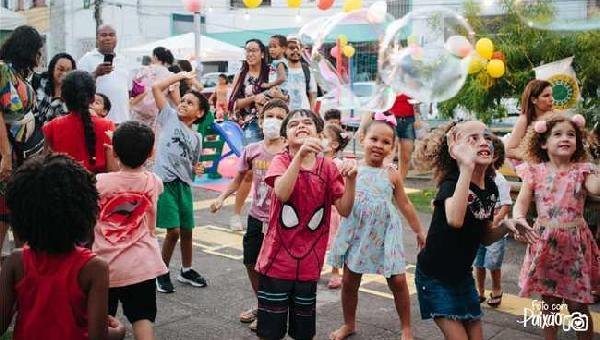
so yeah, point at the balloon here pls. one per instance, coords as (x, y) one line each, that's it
(252, 3)
(294, 3)
(377, 12)
(477, 64)
(334, 52)
(414, 58)
(495, 68)
(352, 5)
(324, 4)
(308, 34)
(485, 48)
(559, 15)
(228, 167)
(348, 51)
(498, 55)
(193, 6)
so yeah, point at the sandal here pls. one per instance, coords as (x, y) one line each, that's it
(335, 282)
(249, 315)
(494, 301)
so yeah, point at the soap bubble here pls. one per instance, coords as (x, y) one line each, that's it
(344, 58)
(560, 15)
(308, 34)
(426, 54)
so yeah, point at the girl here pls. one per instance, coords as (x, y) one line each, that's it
(461, 157)
(54, 204)
(334, 141)
(370, 239)
(79, 134)
(563, 264)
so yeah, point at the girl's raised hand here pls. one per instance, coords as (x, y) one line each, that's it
(461, 149)
(310, 145)
(349, 168)
(522, 230)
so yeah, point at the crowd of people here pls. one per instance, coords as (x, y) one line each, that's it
(95, 157)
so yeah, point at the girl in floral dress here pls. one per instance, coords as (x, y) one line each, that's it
(563, 265)
(370, 239)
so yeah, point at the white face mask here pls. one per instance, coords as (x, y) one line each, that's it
(271, 128)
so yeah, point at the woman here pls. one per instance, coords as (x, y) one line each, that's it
(19, 55)
(535, 102)
(47, 86)
(143, 107)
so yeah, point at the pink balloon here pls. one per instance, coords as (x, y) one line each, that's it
(324, 4)
(228, 167)
(192, 5)
(334, 52)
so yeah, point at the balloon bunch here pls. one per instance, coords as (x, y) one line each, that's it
(486, 58)
(347, 49)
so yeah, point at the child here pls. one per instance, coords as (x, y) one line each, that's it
(220, 97)
(52, 281)
(334, 141)
(370, 239)
(305, 186)
(491, 257)
(460, 155)
(177, 159)
(101, 105)
(79, 134)
(256, 159)
(125, 234)
(278, 67)
(333, 116)
(563, 265)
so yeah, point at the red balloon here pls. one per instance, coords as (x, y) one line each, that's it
(498, 55)
(324, 4)
(192, 5)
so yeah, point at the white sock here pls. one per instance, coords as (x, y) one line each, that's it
(186, 269)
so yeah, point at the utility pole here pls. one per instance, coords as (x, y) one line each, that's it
(98, 12)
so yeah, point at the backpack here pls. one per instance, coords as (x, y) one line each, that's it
(121, 215)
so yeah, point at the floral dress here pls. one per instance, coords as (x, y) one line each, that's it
(564, 262)
(370, 239)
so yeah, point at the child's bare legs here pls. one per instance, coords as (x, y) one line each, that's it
(550, 333)
(460, 330)
(583, 309)
(253, 277)
(143, 330)
(185, 244)
(480, 276)
(399, 288)
(350, 285)
(496, 281)
(240, 198)
(169, 245)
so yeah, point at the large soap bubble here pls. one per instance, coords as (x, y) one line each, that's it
(344, 58)
(426, 54)
(308, 34)
(560, 15)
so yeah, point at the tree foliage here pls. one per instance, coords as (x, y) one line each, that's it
(524, 48)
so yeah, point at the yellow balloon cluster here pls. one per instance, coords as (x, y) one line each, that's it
(252, 3)
(347, 50)
(488, 60)
(352, 5)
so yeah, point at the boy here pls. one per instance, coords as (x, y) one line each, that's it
(101, 105)
(278, 67)
(178, 150)
(220, 97)
(333, 116)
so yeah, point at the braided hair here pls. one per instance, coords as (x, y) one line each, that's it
(78, 91)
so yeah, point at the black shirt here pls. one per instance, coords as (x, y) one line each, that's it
(449, 252)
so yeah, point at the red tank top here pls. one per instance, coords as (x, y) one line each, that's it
(50, 303)
(402, 108)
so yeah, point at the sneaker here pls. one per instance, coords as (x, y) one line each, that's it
(235, 223)
(192, 277)
(164, 284)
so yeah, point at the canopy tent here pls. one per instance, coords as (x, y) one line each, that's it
(10, 20)
(182, 47)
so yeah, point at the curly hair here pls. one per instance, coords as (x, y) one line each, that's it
(203, 105)
(342, 138)
(499, 153)
(433, 153)
(21, 49)
(78, 91)
(53, 202)
(531, 148)
(533, 90)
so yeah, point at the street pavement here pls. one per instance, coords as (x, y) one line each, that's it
(213, 312)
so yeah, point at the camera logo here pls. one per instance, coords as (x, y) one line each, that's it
(544, 315)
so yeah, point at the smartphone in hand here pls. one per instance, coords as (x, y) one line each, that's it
(108, 58)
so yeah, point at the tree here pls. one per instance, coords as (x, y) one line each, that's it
(524, 48)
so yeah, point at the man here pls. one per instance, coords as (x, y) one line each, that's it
(112, 78)
(404, 112)
(302, 87)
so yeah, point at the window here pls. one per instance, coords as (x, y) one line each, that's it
(240, 3)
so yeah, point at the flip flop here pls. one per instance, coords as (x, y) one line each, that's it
(494, 301)
(249, 315)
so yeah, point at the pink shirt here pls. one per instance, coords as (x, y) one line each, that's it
(295, 243)
(131, 250)
(257, 159)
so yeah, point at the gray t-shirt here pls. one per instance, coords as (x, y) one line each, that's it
(178, 150)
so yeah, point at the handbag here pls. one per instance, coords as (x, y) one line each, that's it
(136, 89)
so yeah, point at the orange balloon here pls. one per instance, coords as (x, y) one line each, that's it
(324, 4)
(498, 55)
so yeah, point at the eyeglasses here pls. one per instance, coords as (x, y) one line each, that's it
(252, 50)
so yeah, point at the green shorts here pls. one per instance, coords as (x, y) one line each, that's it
(175, 206)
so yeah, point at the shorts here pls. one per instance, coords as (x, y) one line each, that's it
(253, 239)
(252, 132)
(455, 301)
(138, 300)
(175, 207)
(490, 257)
(286, 302)
(405, 128)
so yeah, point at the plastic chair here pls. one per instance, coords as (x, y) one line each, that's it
(216, 134)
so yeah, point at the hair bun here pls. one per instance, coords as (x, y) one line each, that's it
(540, 126)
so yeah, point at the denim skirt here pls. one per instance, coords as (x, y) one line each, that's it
(439, 299)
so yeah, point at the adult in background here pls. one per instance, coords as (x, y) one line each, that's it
(302, 87)
(112, 78)
(404, 112)
(47, 87)
(19, 55)
(186, 84)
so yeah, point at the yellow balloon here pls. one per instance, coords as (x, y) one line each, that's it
(352, 5)
(495, 68)
(294, 3)
(252, 3)
(348, 51)
(485, 48)
(477, 64)
(343, 39)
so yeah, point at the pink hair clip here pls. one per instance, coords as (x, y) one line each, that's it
(382, 117)
(579, 120)
(540, 126)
